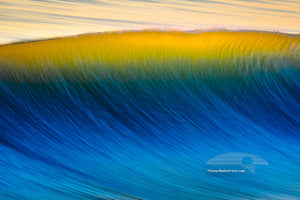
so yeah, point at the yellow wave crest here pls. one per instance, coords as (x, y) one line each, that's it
(150, 50)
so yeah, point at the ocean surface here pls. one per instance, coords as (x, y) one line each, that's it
(32, 19)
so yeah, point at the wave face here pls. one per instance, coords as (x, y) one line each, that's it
(143, 115)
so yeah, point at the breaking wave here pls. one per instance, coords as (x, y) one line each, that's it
(141, 115)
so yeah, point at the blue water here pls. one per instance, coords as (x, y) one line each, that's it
(150, 138)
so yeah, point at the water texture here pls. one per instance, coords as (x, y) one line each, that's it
(143, 115)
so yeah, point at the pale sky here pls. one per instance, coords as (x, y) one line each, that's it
(38, 19)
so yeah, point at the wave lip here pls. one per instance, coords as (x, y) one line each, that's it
(146, 54)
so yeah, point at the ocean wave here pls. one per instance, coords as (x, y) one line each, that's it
(142, 115)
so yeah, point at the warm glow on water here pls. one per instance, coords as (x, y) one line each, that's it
(29, 19)
(149, 51)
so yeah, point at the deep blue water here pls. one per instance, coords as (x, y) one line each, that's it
(152, 138)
